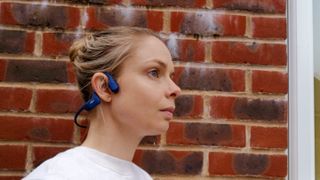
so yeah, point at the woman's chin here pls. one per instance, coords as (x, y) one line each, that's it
(160, 129)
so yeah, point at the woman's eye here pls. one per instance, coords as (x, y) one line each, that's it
(154, 73)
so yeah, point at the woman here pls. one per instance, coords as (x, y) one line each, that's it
(125, 76)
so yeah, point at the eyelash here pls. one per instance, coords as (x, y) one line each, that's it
(157, 71)
(151, 73)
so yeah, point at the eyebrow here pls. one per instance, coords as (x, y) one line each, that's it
(161, 63)
(158, 62)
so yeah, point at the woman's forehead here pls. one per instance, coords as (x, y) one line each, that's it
(148, 51)
(152, 48)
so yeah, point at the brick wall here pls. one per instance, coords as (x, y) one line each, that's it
(231, 62)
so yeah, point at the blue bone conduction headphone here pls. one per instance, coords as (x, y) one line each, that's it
(95, 100)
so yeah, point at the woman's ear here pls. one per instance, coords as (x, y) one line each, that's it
(99, 83)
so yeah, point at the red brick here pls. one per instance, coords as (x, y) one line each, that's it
(208, 24)
(221, 163)
(278, 166)
(3, 68)
(264, 6)
(41, 154)
(39, 15)
(6, 16)
(165, 3)
(195, 78)
(57, 44)
(93, 21)
(36, 71)
(106, 2)
(58, 101)
(206, 134)
(98, 2)
(177, 73)
(247, 164)
(12, 157)
(72, 78)
(251, 53)
(253, 109)
(269, 27)
(186, 50)
(222, 107)
(101, 18)
(188, 106)
(36, 129)
(258, 109)
(16, 42)
(263, 137)
(151, 140)
(11, 177)
(15, 99)
(269, 82)
(155, 20)
(169, 162)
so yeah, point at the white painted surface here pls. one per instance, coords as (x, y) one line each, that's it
(301, 96)
(316, 37)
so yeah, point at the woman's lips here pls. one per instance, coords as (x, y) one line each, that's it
(168, 112)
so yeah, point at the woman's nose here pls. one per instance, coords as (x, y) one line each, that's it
(175, 90)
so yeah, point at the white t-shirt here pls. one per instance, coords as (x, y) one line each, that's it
(83, 163)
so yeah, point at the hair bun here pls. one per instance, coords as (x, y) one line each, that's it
(76, 49)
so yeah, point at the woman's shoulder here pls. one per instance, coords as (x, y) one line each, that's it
(82, 163)
(58, 167)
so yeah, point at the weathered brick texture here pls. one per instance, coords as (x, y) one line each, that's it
(42, 153)
(230, 60)
(261, 6)
(189, 106)
(187, 50)
(59, 17)
(249, 53)
(151, 140)
(11, 177)
(36, 71)
(263, 137)
(15, 98)
(57, 44)
(210, 79)
(16, 42)
(269, 82)
(206, 134)
(101, 18)
(261, 28)
(165, 3)
(36, 129)
(170, 162)
(57, 101)
(13, 157)
(3, 68)
(250, 109)
(94, 2)
(208, 24)
(221, 163)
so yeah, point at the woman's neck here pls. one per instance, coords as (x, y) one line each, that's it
(109, 137)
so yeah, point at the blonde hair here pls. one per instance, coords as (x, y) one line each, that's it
(103, 52)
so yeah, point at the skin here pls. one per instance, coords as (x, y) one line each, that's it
(142, 106)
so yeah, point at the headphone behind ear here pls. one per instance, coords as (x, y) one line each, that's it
(95, 100)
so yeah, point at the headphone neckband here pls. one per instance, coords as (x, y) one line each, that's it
(95, 100)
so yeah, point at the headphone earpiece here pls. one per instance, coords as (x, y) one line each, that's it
(113, 85)
(95, 100)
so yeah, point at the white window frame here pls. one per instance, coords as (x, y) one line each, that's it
(301, 96)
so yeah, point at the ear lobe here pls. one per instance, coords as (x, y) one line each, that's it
(99, 83)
